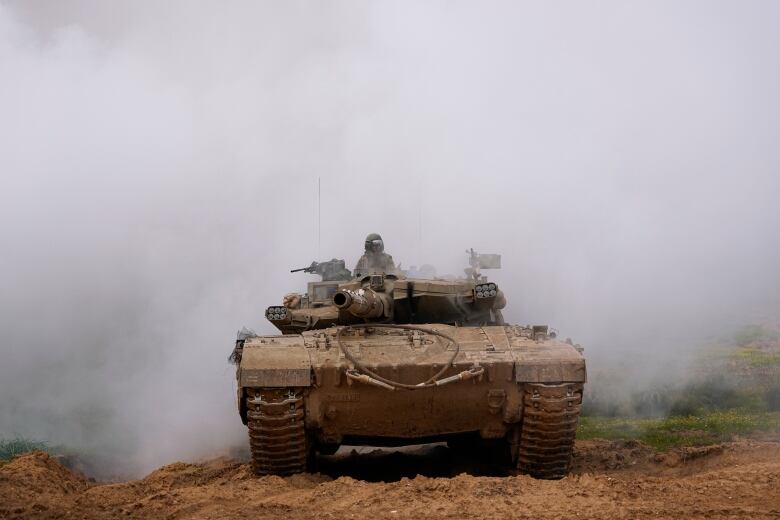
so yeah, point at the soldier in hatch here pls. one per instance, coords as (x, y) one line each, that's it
(375, 260)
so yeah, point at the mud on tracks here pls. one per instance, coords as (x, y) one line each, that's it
(611, 479)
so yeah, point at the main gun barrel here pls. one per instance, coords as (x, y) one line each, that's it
(363, 303)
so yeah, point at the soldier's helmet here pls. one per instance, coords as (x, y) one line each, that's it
(374, 243)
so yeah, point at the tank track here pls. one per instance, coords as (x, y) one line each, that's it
(549, 426)
(277, 434)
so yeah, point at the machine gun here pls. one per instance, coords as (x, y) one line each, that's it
(332, 270)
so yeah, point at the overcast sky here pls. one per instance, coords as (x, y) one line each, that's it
(159, 165)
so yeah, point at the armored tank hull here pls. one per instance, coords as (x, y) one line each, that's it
(387, 385)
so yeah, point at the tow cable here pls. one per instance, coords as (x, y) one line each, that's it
(365, 375)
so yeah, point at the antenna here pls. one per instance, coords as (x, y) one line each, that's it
(419, 229)
(319, 216)
(419, 233)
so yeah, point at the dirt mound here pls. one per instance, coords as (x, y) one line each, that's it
(611, 480)
(33, 481)
(38, 472)
(217, 471)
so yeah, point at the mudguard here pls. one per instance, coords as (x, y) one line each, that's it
(549, 362)
(275, 361)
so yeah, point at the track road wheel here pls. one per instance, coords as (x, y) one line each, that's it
(277, 434)
(549, 426)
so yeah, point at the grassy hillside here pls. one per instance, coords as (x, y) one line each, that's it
(734, 391)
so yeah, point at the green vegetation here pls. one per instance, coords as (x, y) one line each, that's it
(718, 394)
(735, 390)
(18, 446)
(709, 427)
(756, 358)
(751, 334)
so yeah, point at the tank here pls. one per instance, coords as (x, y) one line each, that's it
(391, 360)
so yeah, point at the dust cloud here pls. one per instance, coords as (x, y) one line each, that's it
(159, 165)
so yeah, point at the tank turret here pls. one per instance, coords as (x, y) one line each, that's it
(391, 298)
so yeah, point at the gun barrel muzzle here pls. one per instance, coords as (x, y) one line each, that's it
(363, 303)
(342, 299)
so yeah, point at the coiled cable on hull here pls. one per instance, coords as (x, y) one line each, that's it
(428, 383)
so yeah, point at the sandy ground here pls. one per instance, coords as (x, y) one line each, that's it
(610, 480)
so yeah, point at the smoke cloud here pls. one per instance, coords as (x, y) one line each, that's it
(159, 169)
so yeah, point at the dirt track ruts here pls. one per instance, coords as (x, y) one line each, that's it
(610, 480)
